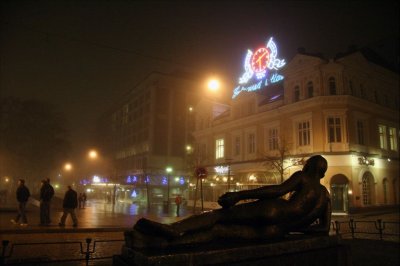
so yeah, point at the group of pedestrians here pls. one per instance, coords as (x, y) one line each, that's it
(70, 203)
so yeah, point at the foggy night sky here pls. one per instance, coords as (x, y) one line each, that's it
(84, 55)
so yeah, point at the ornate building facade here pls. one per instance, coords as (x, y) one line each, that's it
(346, 109)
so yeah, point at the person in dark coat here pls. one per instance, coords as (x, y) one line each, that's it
(70, 203)
(178, 202)
(46, 194)
(23, 195)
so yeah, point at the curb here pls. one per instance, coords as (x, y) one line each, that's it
(62, 230)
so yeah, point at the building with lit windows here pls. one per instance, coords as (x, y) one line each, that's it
(345, 108)
(145, 133)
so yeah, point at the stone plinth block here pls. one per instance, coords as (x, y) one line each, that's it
(293, 250)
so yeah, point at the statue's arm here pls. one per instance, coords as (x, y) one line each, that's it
(321, 213)
(265, 192)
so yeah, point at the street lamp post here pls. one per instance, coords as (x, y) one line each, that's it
(68, 168)
(229, 173)
(169, 171)
(147, 180)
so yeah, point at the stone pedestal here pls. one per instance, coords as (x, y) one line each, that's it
(293, 250)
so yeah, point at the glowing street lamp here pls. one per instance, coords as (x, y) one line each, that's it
(92, 154)
(169, 171)
(213, 84)
(68, 167)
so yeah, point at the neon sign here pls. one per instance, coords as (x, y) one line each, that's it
(221, 169)
(261, 65)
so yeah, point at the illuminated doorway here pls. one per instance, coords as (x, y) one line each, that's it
(339, 193)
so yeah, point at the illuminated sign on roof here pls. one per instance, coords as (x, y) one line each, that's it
(260, 68)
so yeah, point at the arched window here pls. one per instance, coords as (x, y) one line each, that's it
(296, 96)
(310, 89)
(366, 189)
(332, 86)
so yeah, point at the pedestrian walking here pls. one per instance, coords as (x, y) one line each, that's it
(23, 195)
(70, 203)
(178, 202)
(84, 199)
(46, 194)
(80, 201)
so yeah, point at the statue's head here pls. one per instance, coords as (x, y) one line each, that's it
(316, 164)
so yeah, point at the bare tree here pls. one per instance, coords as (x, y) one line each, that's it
(282, 160)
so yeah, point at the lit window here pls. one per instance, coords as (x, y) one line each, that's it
(393, 138)
(334, 130)
(304, 133)
(273, 139)
(366, 190)
(219, 148)
(382, 136)
(251, 143)
(332, 86)
(360, 132)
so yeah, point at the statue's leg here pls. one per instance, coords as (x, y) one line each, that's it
(198, 222)
(192, 223)
(246, 213)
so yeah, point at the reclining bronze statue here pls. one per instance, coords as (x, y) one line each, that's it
(268, 216)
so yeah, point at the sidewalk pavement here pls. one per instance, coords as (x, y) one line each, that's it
(102, 223)
(96, 216)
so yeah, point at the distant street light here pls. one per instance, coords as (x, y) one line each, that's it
(169, 171)
(68, 167)
(92, 154)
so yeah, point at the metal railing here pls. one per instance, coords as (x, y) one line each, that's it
(367, 229)
(85, 252)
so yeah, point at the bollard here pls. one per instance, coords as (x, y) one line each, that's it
(87, 255)
(380, 227)
(3, 251)
(352, 226)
